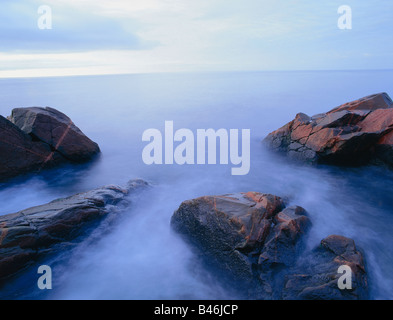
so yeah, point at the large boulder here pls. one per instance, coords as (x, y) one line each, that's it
(355, 133)
(255, 243)
(27, 235)
(36, 138)
(56, 130)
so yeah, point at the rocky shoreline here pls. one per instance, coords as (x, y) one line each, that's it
(254, 242)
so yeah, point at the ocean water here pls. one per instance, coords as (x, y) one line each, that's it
(140, 258)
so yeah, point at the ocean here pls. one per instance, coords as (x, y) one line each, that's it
(141, 258)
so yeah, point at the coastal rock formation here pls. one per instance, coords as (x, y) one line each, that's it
(255, 242)
(56, 130)
(36, 138)
(27, 235)
(355, 133)
(18, 153)
(315, 277)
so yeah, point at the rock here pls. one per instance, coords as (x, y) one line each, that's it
(27, 235)
(369, 103)
(19, 154)
(56, 130)
(36, 138)
(255, 243)
(355, 133)
(316, 277)
(229, 228)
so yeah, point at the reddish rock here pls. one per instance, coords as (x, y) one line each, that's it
(56, 130)
(379, 121)
(19, 153)
(39, 138)
(369, 103)
(226, 226)
(255, 243)
(355, 133)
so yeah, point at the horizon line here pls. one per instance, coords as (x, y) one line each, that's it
(185, 72)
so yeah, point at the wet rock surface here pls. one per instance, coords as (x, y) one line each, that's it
(29, 234)
(36, 138)
(256, 243)
(356, 133)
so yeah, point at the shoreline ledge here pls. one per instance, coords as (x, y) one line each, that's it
(30, 234)
(356, 133)
(36, 138)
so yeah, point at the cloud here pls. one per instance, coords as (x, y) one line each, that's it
(74, 29)
(119, 36)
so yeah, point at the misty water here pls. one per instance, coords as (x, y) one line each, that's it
(140, 257)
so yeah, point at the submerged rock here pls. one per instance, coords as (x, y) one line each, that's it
(27, 235)
(256, 243)
(36, 138)
(355, 133)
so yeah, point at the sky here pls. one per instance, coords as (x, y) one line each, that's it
(143, 36)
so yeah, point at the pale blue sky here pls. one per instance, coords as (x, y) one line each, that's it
(128, 36)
